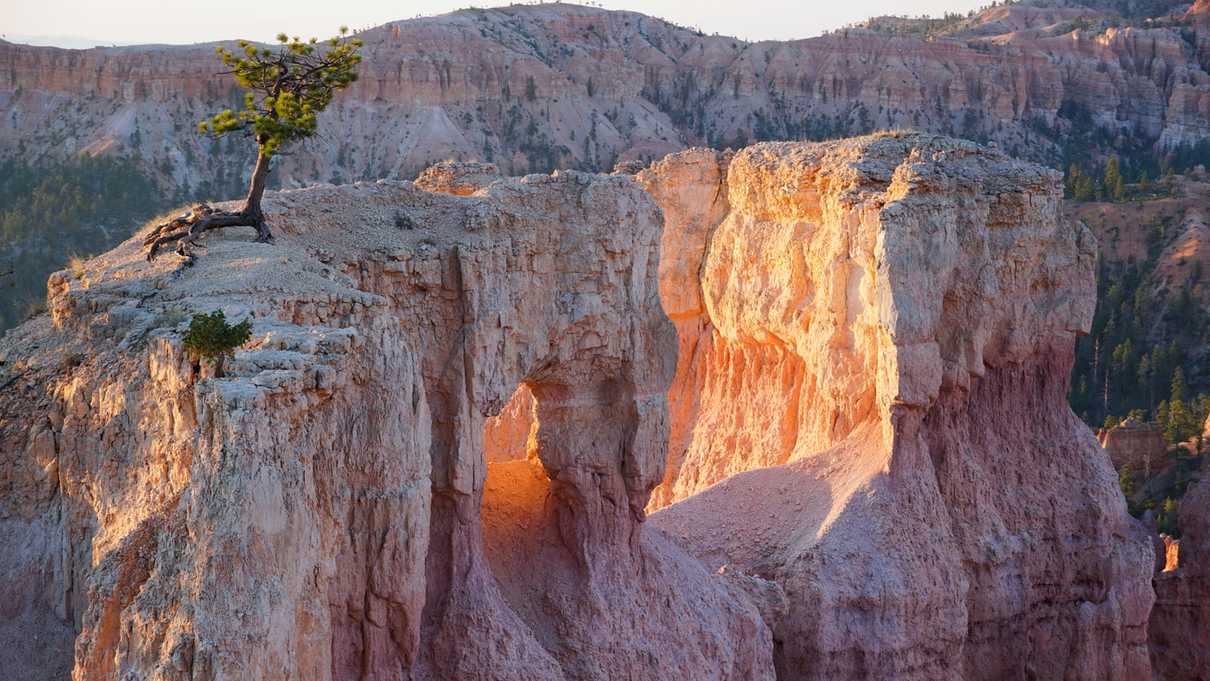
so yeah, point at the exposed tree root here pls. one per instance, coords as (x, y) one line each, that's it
(202, 218)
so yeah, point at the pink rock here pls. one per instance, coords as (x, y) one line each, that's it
(1141, 446)
(435, 457)
(327, 510)
(1179, 630)
(869, 410)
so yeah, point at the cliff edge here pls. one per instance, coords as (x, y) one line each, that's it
(836, 370)
(318, 512)
(869, 410)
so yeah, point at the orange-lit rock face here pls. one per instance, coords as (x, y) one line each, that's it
(325, 510)
(461, 178)
(434, 459)
(825, 284)
(1172, 553)
(509, 435)
(883, 336)
(1199, 12)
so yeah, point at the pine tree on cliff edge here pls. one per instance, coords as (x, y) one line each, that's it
(285, 90)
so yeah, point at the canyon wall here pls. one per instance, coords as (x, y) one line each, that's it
(837, 372)
(1180, 622)
(318, 512)
(557, 86)
(876, 337)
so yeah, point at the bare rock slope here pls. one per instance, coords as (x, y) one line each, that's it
(435, 457)
(557, 86)
(317, 512)
(869, 410)
(1180, 621)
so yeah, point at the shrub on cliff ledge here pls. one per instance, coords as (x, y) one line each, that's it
(211, 337)
(285, 90)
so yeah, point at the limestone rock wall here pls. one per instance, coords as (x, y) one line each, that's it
(870, 402)
(319, 512)
(837, 371)
(532, 88)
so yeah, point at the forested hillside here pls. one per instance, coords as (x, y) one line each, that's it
(53, 211)
(1147, 352)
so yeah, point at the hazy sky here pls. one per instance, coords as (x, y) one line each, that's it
(66, 22)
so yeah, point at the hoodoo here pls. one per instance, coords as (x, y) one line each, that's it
(837, 373)
(869, 411)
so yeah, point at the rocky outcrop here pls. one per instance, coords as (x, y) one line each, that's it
(1180, 622)
(460, 178)
(1172, 553)
(319, 512)
(532, 88)
(869, 411)
(1136, 444)
(435, 457)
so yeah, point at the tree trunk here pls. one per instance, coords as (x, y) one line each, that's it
(256, 190)
(202, 218)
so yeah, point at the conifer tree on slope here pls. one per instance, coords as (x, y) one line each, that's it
(285, 90)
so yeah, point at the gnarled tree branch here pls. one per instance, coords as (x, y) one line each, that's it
(188, 227)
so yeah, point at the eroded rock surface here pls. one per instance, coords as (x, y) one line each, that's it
(537, 87)
(435, 457)
(461, 178)
(318, 512)
(1136, 444)
(1180, 621)
(869, 411)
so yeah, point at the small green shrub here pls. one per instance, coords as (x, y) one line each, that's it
(75, 265)
(211, 337)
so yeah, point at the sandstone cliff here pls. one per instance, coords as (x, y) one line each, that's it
(1180, 622)
(319, 512)
(435, 457)
(556, 86)
(534, 88)
(875, 342)
(1135, 444)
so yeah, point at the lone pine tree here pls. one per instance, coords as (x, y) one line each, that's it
(285, 90)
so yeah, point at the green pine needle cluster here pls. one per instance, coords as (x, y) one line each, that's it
(211, 337)
(286, 87)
